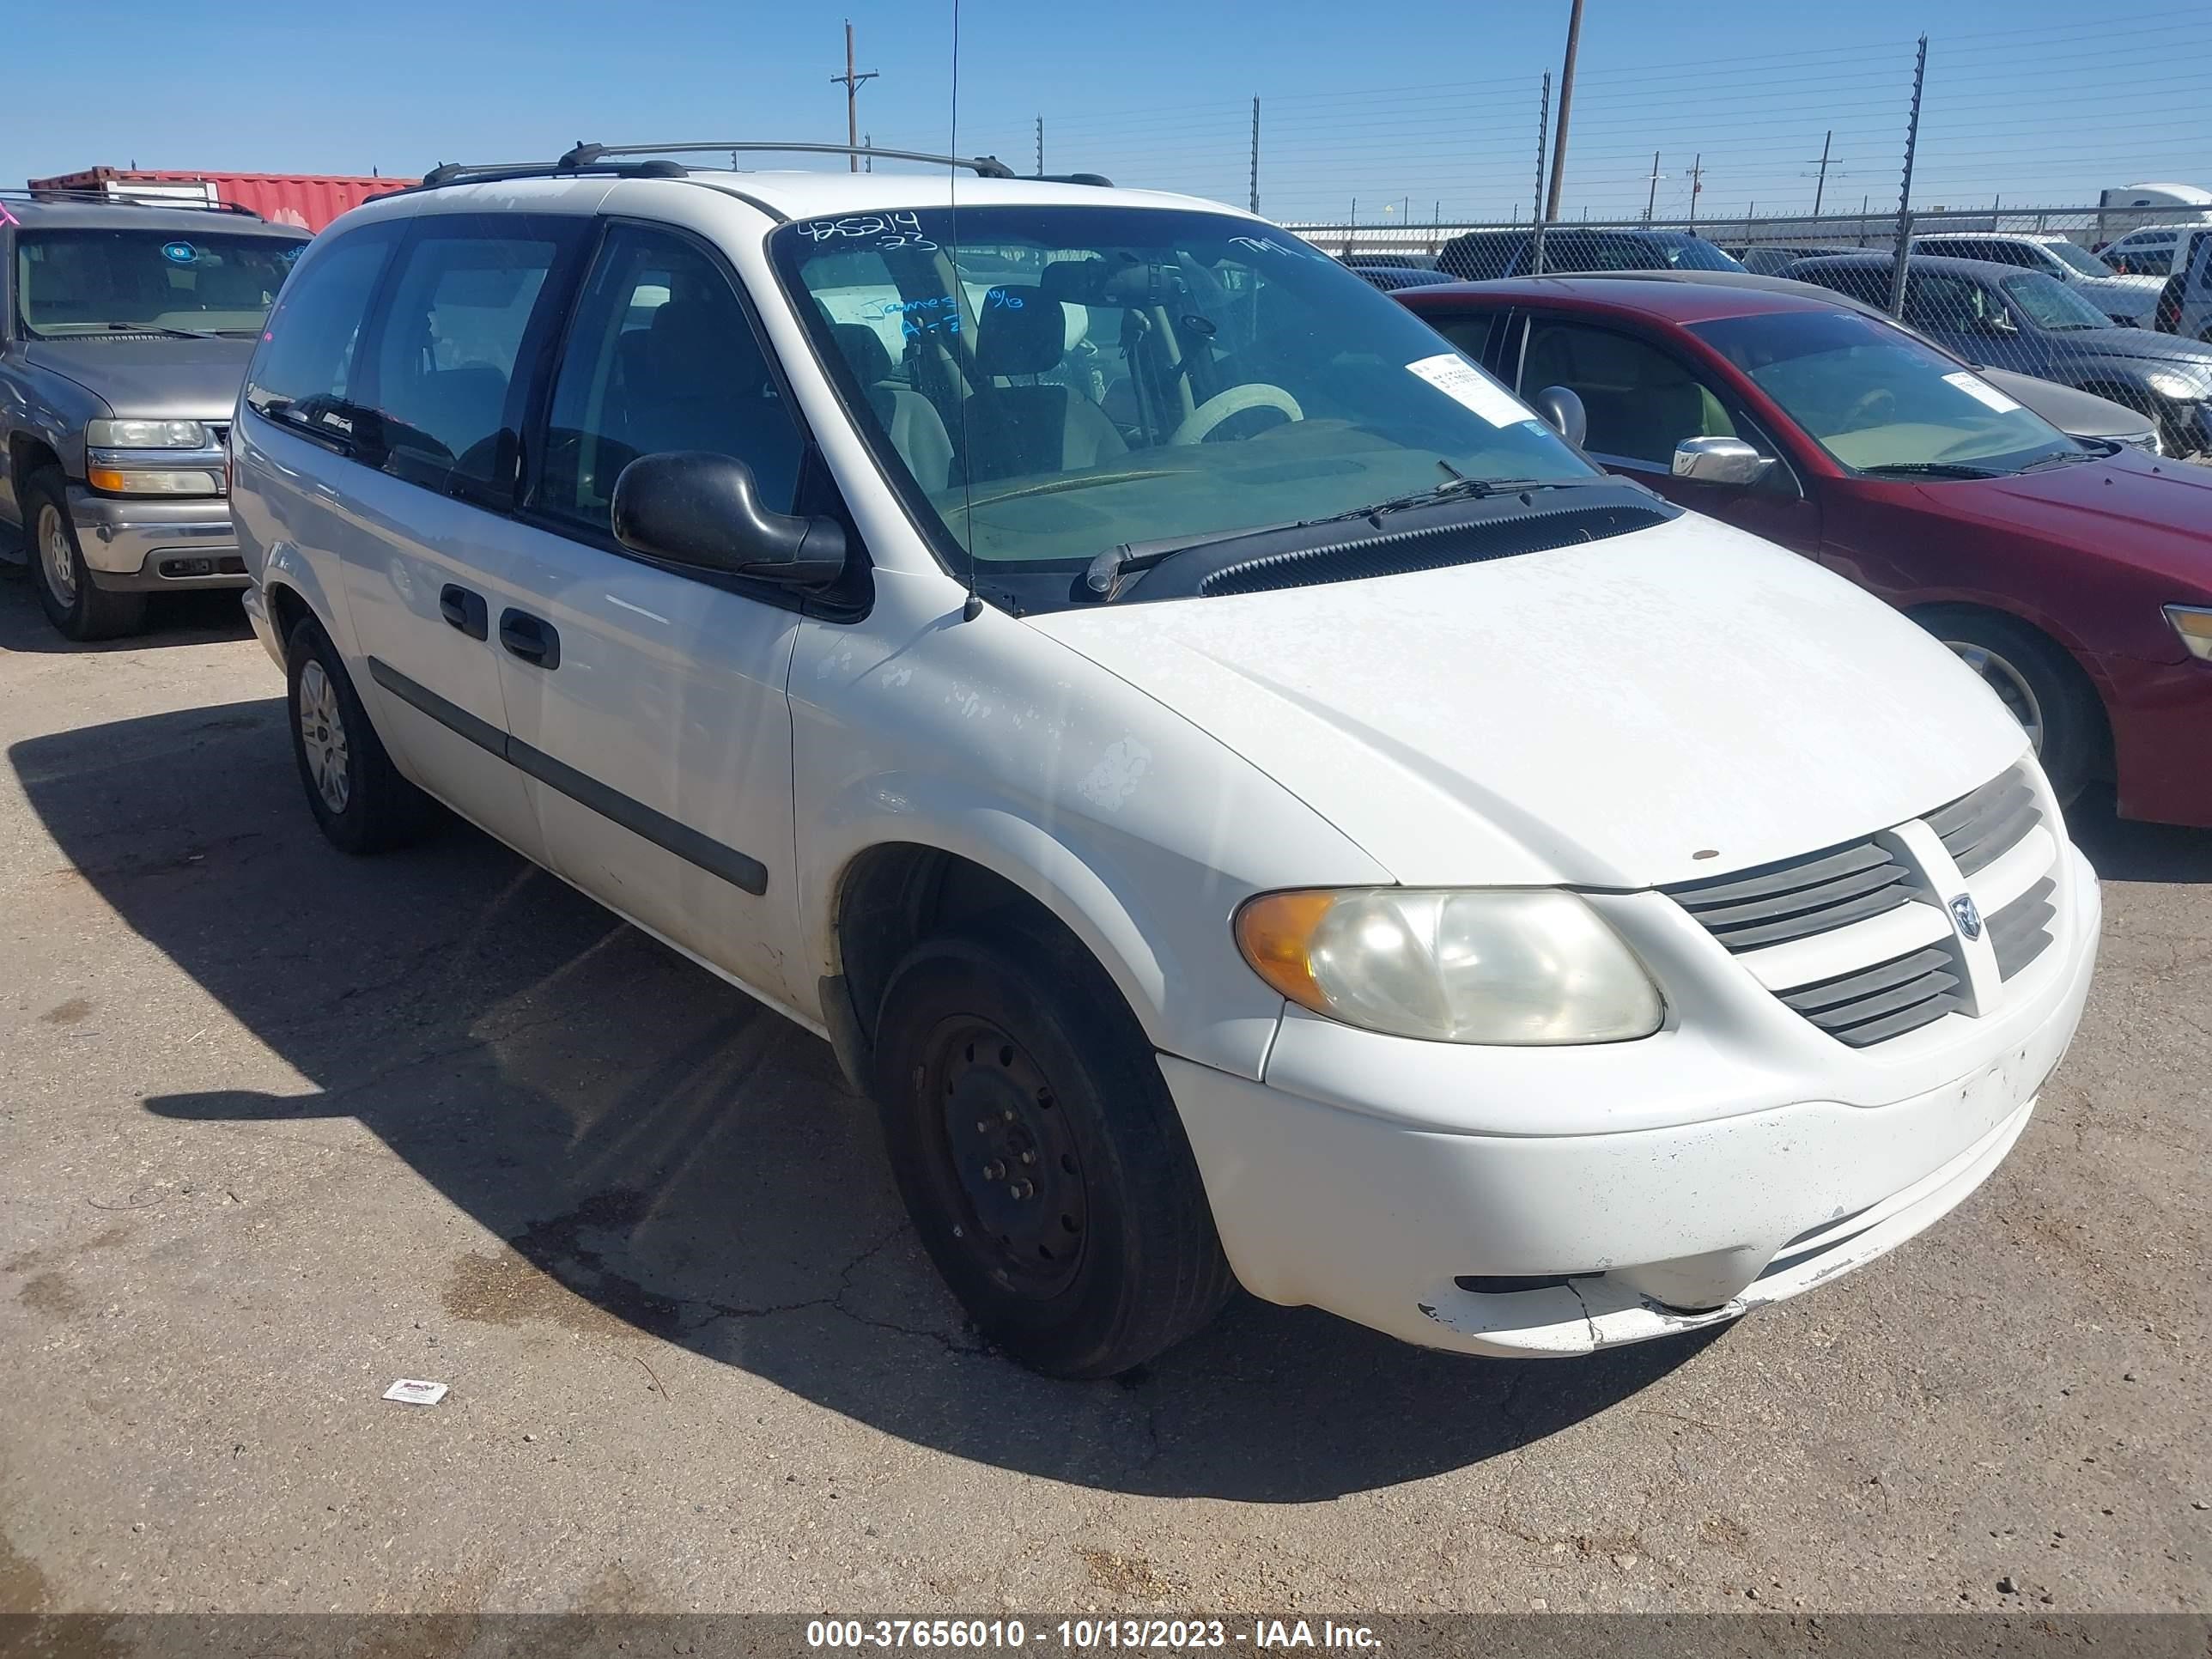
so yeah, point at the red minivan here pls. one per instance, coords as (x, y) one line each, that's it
(2075, 576)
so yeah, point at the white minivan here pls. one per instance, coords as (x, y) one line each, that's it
(1248, 800)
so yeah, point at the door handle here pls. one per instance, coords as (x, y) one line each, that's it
(531, 638)
(464, 609)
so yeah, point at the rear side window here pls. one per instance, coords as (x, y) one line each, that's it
(305, 366)
(448, 388)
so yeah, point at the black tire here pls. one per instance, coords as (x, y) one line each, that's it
(358, 798)
(75, 606)
(1016, 1042)
(2042, 685)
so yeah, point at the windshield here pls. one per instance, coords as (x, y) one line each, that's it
(1875, 397)
(2049, 303)
(92, 282)
(1107, 375)
(2082, 261)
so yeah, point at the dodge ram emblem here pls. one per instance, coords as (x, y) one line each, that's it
(1967, 915)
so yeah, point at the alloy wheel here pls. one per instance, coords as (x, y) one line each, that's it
(55, 554)
(323, 738)
(2011, 686)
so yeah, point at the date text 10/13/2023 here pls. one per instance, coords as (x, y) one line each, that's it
(1266, 1635)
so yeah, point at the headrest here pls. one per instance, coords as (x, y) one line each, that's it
(865, 350)
(1020, 332)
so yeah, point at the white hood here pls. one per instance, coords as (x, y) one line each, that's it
(1598, 714)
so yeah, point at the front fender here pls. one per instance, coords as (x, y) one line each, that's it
(992, 742)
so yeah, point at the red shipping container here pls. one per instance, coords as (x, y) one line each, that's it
(287, 198)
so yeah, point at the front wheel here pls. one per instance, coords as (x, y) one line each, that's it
(1040, 1156)
(2039, 682)
(79, 609)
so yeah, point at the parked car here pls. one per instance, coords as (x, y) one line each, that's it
(1481, 255)
(2024, 320)
(1770, 259)
(1262, 805)
(2184, 302)
(2146, 252)
(2076, 579)
(1391, 278)
(2124, 299)
(2078, 414)
(124, 331)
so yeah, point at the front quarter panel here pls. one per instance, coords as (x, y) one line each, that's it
(993, 742)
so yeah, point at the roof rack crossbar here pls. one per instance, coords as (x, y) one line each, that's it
(77, 195)
(986, 166)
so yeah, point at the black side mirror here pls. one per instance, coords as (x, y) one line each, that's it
(1560, 406)
(695, 507)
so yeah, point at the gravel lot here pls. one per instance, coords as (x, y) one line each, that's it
(277, 1128)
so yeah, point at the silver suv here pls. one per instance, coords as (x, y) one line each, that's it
(124, 331)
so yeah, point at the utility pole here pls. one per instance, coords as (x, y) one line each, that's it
(1537, 213)
(1255, 155)
(1821, 189)
(1566, 98)
(1697, 184)
(1898, 260)
(851, 81)
(1652, 200)
(1039, 146)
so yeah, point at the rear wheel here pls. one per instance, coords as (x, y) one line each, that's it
(1040, 1156)
(356, 794)
(2039, 682)
(66, 593)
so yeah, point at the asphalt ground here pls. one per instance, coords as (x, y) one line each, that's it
(278, 1127)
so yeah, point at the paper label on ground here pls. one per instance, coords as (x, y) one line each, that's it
(412, 1391)
(1463, 383)
(1982, 391)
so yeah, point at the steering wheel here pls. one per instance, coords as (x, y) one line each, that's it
(1199, 424)
(1873, 407)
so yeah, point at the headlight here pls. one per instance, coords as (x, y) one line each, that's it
(2194, 623)
(134, 481)
(1479, 965)
(2179, 383)
(146, 435)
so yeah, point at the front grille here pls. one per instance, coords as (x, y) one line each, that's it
(2018, 933)
(1797, 897)
(1979, 829)
(1885, 1000)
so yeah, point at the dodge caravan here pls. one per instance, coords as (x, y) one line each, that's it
(1249, 801)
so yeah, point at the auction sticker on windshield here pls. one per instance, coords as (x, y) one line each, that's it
(1463, 383)
(1982, 391)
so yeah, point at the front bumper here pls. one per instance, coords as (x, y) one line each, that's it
(2161, 738)
(1538, 1244)
(148, 544)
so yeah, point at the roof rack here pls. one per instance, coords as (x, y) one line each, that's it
(102, 198)
(985, 166)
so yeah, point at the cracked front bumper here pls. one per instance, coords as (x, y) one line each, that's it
(1547, 1244)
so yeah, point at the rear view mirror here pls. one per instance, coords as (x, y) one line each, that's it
(701, 509)
(1560, 406)
(1719, 461)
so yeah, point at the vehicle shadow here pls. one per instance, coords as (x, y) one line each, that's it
(2122, 850)
(656, 1150)
(190, 617)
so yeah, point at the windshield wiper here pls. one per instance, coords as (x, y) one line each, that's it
(1931, 470)
(163, 328)
(2068, 456)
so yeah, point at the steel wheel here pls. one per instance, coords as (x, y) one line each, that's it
(1014, 1154)
(55, 554)
(323, 736)
(2010, 685)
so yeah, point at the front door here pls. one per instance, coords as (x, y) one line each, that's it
(1642, 399)
(648, 702)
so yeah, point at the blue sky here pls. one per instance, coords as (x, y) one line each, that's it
(1421, 108)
